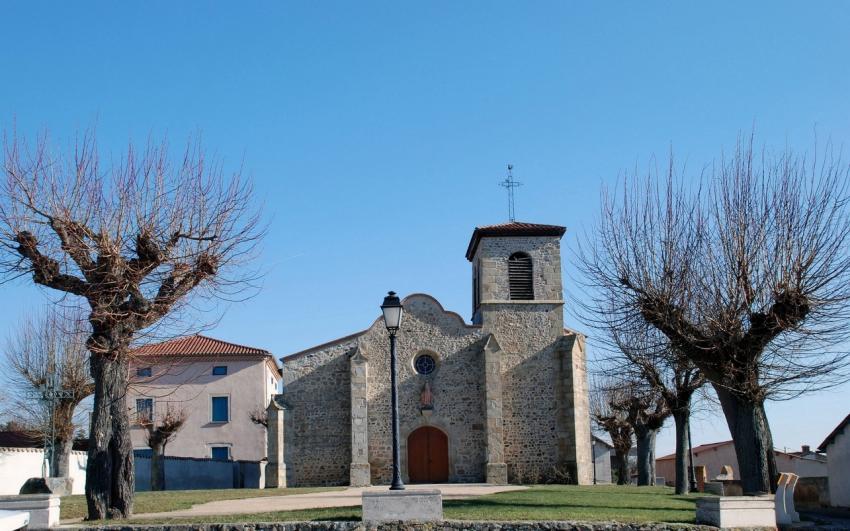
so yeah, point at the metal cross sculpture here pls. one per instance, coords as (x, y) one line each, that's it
(50, 392)
(509, 183)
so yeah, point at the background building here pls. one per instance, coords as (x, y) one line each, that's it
(716, 455)
(217, 384)
(837, 448)
(602, 454)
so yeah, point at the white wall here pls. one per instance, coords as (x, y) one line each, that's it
(838, 459)
(17, 465)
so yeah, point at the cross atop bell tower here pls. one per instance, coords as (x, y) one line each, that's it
(509, 184)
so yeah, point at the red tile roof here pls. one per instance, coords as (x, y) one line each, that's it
(711, 446)
(198, 345)
(514, 228)
(698, 449)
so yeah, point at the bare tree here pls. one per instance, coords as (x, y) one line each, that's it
(608, 414)
(259, 416)
(646, 355)
(746, 271)
(45, 349)
(159, 433)
(133, 238)
(646, 412)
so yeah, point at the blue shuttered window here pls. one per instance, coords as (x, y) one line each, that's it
(220, 409)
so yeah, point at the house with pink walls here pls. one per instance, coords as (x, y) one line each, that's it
(716, 455)
(217, 384)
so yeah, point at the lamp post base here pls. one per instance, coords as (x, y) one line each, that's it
(408, 506)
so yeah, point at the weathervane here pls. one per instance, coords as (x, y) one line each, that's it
(509, 183)
(50, 392)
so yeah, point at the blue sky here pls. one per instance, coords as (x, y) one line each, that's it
(377, 132)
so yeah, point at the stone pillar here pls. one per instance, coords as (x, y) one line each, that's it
(574, 422)
(497, 470)
(360, 473)
(276, 467)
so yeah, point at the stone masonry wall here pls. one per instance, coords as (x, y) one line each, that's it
(446, 525)
(540, 417)
(457, 386)
(529, 389)
(317, 429)
(491, 259)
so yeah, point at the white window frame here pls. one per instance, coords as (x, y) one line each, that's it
(229, 447)
(136, 409)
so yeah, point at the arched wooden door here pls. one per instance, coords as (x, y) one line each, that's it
(428, 456)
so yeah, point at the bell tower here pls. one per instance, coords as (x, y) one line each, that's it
(516, 264)
(537, 402)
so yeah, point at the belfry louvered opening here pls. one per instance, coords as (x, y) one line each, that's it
(520, 278)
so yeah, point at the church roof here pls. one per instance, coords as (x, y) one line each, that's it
(514, 228)
(198, 345)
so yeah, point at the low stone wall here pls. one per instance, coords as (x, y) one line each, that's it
(448, 525)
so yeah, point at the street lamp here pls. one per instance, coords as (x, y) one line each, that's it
(593, 454)
(392, 320)
(692, 476)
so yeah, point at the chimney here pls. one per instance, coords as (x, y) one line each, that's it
(807, 449)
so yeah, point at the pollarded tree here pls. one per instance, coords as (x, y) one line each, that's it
(44, 349)
(608, 414)
(645, 412)
(160, 431)
(133, 238)
(646, 355)
(746, 271)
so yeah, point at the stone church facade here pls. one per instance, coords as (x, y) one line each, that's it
(503, 398)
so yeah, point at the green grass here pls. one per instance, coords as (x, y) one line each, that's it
(569, 502)
(74, 507)
(550, 502)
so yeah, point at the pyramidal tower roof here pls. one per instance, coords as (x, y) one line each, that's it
(514, 228)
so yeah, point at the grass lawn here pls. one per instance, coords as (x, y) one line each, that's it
(549, 502)
(73, 507)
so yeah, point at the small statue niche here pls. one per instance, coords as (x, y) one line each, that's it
(426, 398)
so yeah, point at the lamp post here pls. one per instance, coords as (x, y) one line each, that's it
(692, 476)
(393, 311)
(593, 454)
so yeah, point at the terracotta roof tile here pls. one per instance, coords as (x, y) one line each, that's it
(698, 449)
(198, 345)
(514, 228)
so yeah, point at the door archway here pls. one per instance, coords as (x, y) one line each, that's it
(428, 456)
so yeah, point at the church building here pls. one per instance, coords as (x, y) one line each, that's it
(501, 399)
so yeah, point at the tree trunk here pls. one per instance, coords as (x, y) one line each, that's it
(59, 461)
(157, 467)
(645, 455)
(682, 419)
(622, 461)
(752, 439)
(109, 475)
